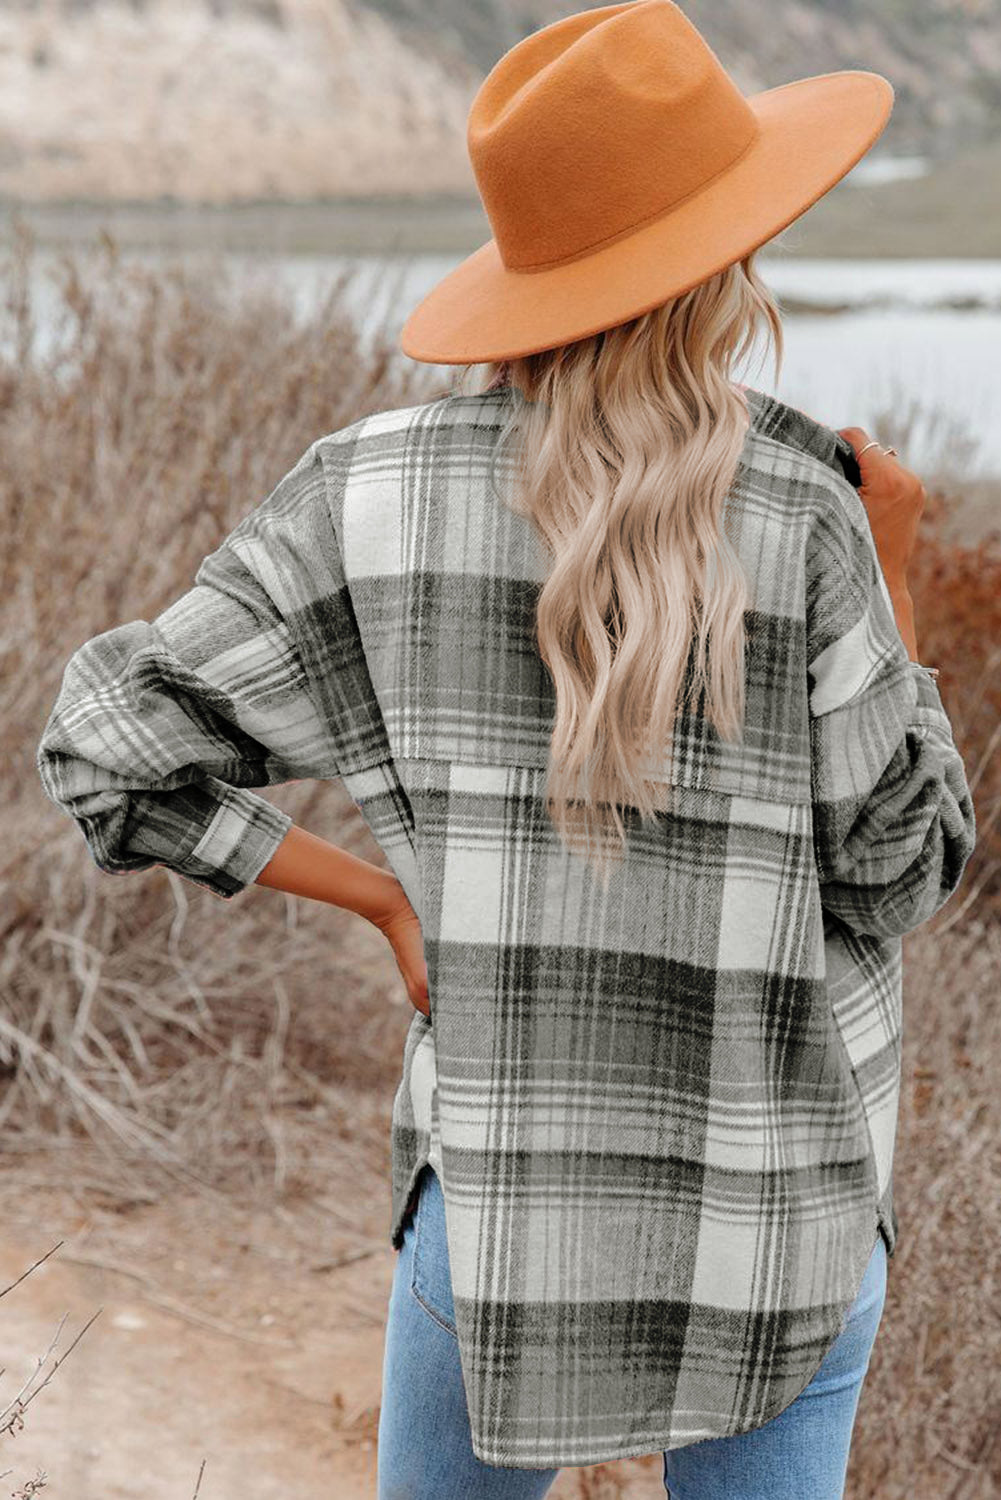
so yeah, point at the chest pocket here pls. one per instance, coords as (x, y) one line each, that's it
(464, 683)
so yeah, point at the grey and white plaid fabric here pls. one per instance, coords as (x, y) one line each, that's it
(666, 1114)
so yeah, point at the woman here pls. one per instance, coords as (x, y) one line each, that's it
(621, 669)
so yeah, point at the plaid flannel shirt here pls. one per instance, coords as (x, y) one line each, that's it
(666, 1114)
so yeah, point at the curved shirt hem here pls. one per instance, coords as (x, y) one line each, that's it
(660, 1442)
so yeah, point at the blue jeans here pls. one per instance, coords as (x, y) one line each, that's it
(425, 1451)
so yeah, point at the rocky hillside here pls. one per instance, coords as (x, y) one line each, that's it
(942, 56)
(224, 101)
(220, 103)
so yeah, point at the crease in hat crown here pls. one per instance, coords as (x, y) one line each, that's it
(598, 124)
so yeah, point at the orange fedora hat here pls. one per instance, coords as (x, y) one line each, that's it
(619, 164)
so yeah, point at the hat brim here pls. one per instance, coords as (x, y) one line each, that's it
(812, 132)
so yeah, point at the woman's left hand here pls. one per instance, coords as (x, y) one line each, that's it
(894, 498)
(402, 927)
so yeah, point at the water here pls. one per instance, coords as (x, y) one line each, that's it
(934, 284)
(915, 338)
(874, 169)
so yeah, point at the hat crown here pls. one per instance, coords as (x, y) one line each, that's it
(597, 124)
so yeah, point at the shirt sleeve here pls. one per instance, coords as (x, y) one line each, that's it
(893, 817)
(161, 727)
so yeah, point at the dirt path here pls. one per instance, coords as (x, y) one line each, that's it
(251, 1338)
(221, 1338)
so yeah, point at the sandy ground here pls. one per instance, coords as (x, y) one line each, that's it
(224, 1335)
(250, 1338)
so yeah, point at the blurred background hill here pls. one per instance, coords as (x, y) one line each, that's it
(228, 102)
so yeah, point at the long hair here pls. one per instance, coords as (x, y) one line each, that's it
(627, 443)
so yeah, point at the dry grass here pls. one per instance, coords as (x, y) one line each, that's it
(929, 1425)
(233, 1044)
(180, 1032)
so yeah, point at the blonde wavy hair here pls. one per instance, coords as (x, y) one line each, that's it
(627, 443)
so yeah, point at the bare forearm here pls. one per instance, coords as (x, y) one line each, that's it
(903, 609)
(894, 499)
(306, 865)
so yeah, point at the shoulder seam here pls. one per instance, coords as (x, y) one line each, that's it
(404, 415)
(781, 421)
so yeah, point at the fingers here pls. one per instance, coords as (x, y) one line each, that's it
(884, 469)
(407, 941)
(859, 438)
(419, 1000)
(417, 988)
(893, 497)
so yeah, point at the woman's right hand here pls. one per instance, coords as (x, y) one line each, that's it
(402, 927)
(894, 498)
